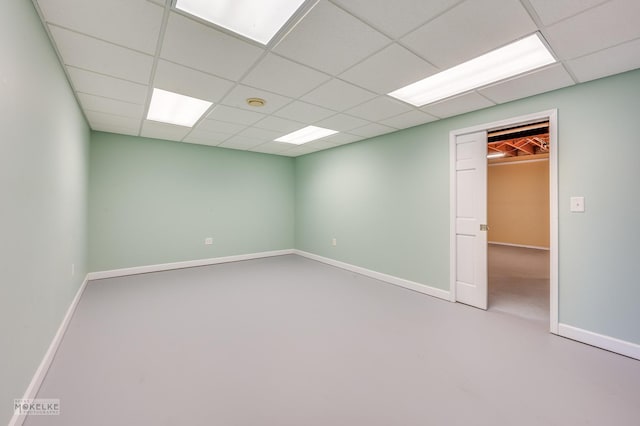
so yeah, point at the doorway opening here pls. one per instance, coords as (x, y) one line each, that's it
(533, 138)
(518, 214)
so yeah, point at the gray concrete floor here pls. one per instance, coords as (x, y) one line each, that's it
(519, 282)
(290, 341)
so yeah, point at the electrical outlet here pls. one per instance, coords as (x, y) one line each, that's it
(334, 242)
(208, 241)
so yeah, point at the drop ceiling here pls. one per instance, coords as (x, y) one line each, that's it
(331, 66)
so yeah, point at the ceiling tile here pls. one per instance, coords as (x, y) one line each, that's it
(156, 130)
(130, 23)
(330, 39)
(304, 112)
(318, 144)
(239, 95)
(343, 138)
(279, 124)
(216, 126)
(481, 26)
(99, 127)
(553, 11)
(262, 134)
(290, 153)
(234, 115)
(241, 142)
(202, 137)
(308, 148)
(342, 122)
(603, 26)
(379, 108)
(272, 147)
(624, 57)
(200, 141)
(390, 69)
(99, 56)
(373, 129)
(112, 123)
(283, 76)
(545, 80)
(338, 95)
(110, 106)
(395, 18)
(300, 150)
(408, 119)
(187, 81)
(337, 58)
(458, 105)
(102, 85)
(195, 45)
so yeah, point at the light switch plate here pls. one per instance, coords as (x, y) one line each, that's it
(577, 204)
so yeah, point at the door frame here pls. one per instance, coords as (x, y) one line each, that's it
(552, 116)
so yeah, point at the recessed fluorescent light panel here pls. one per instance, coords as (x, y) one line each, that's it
(173, 108)
(258, 20)
(307, 134)
(516, 58)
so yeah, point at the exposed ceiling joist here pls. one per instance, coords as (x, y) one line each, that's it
(527, 140)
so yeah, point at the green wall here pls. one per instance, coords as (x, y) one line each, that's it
(43, 184)
(386, 200)
(380, 200)
(154, 201)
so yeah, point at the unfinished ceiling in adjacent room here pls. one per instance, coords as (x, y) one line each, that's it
(331, 66)
(519, 143)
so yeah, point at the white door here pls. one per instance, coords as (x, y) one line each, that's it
(470, 219)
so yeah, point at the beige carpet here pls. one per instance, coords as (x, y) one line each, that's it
(519, 282)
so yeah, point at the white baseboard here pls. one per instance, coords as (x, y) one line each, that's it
(41, 372)
(411, 285)
(622, 347)
(519, 245)
(612, 344)
(181, 265)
